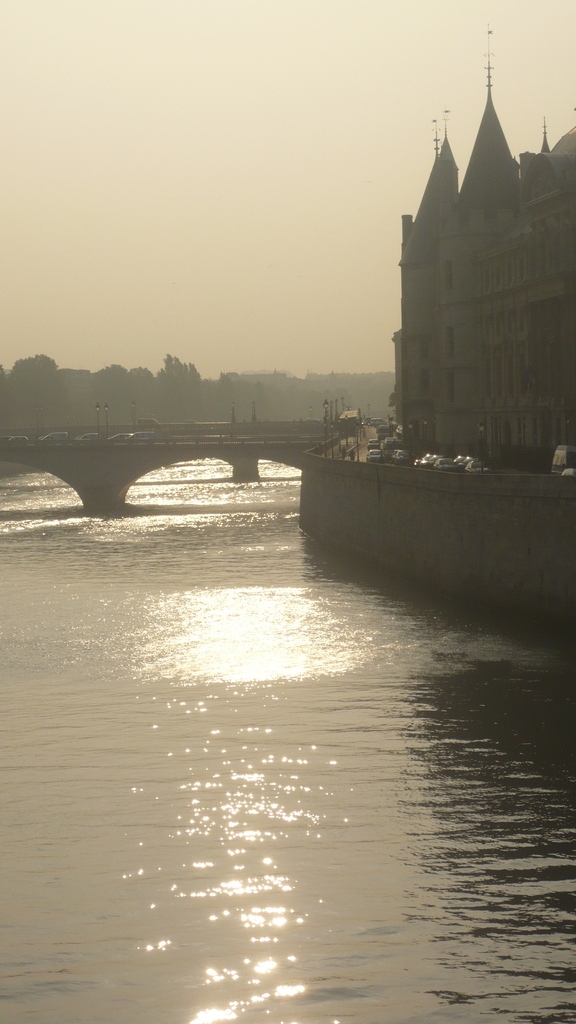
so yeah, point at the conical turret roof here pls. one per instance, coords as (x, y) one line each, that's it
(439, 198)
(491, 181)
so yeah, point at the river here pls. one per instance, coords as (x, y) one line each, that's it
(243, 779)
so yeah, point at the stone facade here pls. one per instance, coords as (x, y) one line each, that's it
(489, 297)
(506, 540)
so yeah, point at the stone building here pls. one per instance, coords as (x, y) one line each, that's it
(489, 297)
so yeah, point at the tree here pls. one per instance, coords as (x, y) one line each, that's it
(179, 388)
(36, 392)
(5, 419)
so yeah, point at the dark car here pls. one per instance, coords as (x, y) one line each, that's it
(427, 461)
(402, 458)
(90, 438)
(55, 437)
(446, 465)
(141, 437)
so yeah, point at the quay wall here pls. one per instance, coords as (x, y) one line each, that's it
(504, 539)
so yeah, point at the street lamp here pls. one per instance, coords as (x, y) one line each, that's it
(481, 429)
(106, 408)
(98, 418)
(133, 404)
(410, 440)
(325, 425)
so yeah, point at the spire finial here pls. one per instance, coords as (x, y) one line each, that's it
(489, 56)
(436, 139)
(445, 114)
(545, 146)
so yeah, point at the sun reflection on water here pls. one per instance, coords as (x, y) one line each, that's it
(258, 635)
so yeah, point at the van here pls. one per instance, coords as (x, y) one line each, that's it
(564, 458)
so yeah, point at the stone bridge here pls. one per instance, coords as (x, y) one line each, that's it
(101, 473)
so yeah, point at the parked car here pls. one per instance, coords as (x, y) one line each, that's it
(476, 466)
(402, 458)
(142, 437)
(14, 439)
(374, 456)
(392, 444)
(56, 437)
(463, 460)
(90, 438)
(446, 465)
(374, 444)
(119, 438)
(564, 458)
(427, 461)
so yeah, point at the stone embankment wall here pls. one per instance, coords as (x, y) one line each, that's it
(505, 539)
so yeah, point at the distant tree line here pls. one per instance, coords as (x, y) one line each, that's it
(37, 394)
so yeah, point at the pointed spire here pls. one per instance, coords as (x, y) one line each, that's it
(439, 199)
(491, 181)
(545, 146)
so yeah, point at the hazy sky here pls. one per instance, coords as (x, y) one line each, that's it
(224, 179)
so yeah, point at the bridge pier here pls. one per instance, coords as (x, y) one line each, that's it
(245, 471)
(102, 498)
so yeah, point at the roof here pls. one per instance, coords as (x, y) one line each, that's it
(567, 144)
(491, 181)
(439, 198)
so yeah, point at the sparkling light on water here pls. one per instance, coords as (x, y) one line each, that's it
(242, 782)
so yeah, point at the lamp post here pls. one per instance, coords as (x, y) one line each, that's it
(481, 429)
(325, 425)
(106, 408)
(37, 422)
(98, 419)
(133, 406)
(410, 441)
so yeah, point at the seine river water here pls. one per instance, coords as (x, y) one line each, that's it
(244, 780)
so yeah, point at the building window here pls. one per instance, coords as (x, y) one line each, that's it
(448, 280)
(449, 342)
(487, 378)
(498, 373)
(511, 322)
(509, 374)
(521, 371)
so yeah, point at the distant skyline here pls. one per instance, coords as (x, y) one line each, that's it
(224, 180)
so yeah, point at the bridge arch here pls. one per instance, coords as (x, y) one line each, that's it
(101, 474)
